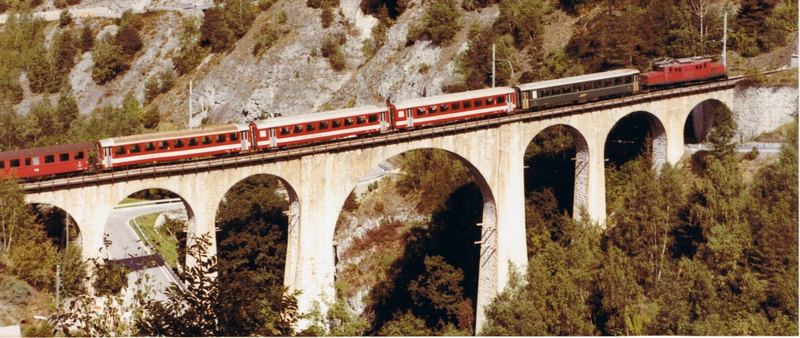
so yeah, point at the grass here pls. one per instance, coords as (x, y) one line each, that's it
(20, 301)
(129, 200)
(779, 135)
(165, 244)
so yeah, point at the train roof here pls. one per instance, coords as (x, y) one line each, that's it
(117, 141)
(426, 101)
(578, 79)
(61, 148)
(321, 116)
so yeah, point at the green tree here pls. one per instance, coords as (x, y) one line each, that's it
(437, 291)
(406, 325)
(128, 39)
(43, 74)
(109, 61)
(10, 89)
(523, 20)
(190, 52)
(441, 22)
(64, 19)
(66, 111)
(87, 38)
(239, 15)
(65, 49)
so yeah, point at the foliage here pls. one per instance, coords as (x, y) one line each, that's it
(377, 39)
(406, 324)
(476, 62)
(109, 61)
(384, 9)
(190, 52)
(110, 278)
(441, 22)
(86, 39)
(332, 49)
(215, 32)
(159, 83)
(64, 19)
(523, 20)
(326, 16)
(429, 177)
(239, 15)
(338, 321)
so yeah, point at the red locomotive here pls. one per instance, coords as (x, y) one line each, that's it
(681, 71)
(310, 128)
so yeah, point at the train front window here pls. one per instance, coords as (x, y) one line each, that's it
(79, 155)
(164, 145)
(49, 159)
(63, 157)
(14, 163)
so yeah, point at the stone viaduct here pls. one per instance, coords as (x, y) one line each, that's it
(319, 181)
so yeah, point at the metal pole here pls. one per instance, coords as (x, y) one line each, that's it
(493, 59)
(58, 288)
(190, 104)
(725, 40)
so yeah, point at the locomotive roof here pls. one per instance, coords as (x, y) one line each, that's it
(61, 148)
(303, 118)
(117, 141)
(578, 79)
(425, 101)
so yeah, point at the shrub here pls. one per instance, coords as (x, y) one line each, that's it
(374, 44)
(239, 15)
(64, 19)
(151, 117)
(333, 51)
(110, 278)
(267, 37)
(158, 84)
(128, 39)
(440, 24)
(109, 61)
(214, 31)
(13, 290)
(327, 15)
(87, 39)
(265, 5)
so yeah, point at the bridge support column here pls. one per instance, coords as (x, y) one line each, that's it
(596, 199)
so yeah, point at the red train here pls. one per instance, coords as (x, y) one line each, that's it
(309, 128)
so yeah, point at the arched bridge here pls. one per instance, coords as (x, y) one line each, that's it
(320, 177)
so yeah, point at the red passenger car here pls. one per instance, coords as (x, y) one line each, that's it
(177, 145)
(45, 161)
(453, 107)
(308, 128)
(683, 70)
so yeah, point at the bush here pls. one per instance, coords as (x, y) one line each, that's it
(87, 39)
(151, 117)
(109, 61)
(128, 40)
(110, 278)
(158, 84)
(265, 5)
(326, 17)
(214, 31)
(64, 19)
(14, 291)
(267, 37)
(190, 53)
(440, 24)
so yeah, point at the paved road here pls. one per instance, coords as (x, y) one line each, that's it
(763, 148)
(128, 248)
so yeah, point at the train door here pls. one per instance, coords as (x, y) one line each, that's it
(244, 141)
(273, 141)
(636, 83)
(383, 122)
(410, 117)
(107, 157)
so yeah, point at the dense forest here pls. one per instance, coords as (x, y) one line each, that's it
(686, 249)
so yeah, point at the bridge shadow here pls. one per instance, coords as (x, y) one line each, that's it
(451, 235)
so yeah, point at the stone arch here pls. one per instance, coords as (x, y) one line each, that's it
(627, 130)
(581, 158)
(293, 215)
(487, 258)
(70, 219)
(701, 119)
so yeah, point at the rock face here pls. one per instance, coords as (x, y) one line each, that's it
(762, 109)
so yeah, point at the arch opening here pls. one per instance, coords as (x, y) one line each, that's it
(637, 134)
(702, 119)
(255, 221)
(145, 234)
(417, 229)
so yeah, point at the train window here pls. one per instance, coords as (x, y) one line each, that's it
(323, 125)
(455, 106)
(348, 121)
(284, 131)
(64, 157)
(467, 104)
(361, 120)
(35, 160)
(628, 79)
(221, 138)
(13, 163)
(150, 146)
(178, 144)
(310, 127)
(79, 155)
(443, 107)
(432, 109)
(490, 101)
(373, 118)
(478, 103)
(2, 164)
(234, 137)
(164, 145)
(134, 149)
(27, 161)
(335, 123)
(119, 151)
(206, 139)
(297, 129)
(192, 141)
(420, 111)
(49, 158)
